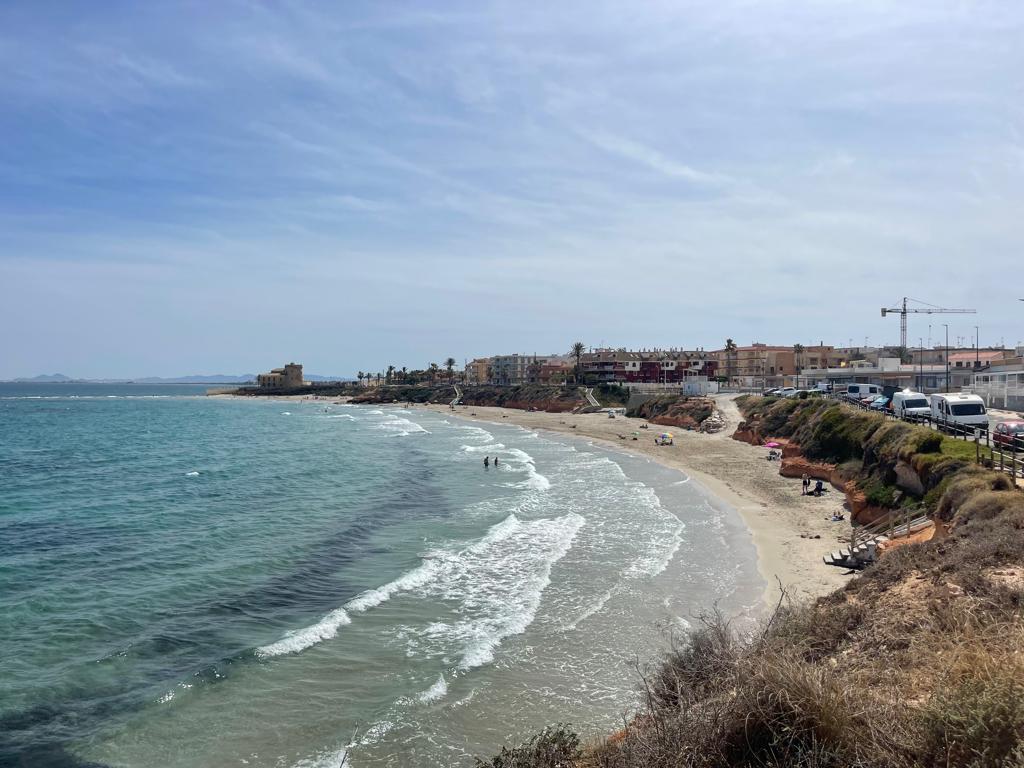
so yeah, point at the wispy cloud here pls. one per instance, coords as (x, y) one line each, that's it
(506, 158)
(651, 158)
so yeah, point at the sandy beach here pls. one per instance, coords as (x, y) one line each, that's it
(783, 523)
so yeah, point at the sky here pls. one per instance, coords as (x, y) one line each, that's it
(196, 187)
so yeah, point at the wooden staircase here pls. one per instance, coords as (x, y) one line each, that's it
(865, 539)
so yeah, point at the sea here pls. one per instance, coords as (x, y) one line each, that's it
(204, 581)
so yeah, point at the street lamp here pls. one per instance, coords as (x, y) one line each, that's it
(977, 349)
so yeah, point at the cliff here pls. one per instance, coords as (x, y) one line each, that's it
(526, 397)
(917, 661)
(675, 411)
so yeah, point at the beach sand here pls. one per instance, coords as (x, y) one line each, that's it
(782, 522)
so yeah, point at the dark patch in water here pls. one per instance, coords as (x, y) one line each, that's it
(192, 645)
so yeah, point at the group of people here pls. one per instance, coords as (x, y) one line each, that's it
(819, 487)
(487, 461)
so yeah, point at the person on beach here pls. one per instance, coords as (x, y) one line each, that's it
(487, 461)
(495, 461)
(807, 484)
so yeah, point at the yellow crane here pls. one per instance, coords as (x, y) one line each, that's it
(927, 309)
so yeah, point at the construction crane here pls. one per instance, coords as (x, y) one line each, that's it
(927, 309)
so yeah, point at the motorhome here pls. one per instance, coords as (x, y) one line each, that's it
(860, 391)
(960, 410)
(910, 404)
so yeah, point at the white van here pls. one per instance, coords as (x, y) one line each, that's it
(959, 409)
(910, 403)
(860, 391)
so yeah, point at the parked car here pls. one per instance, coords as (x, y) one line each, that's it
(1009, 433)
(881, 403)
(955, 409)
(860, 391)
(771, 392)
(910, 404)
(786, 391)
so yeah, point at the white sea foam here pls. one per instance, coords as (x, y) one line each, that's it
(342, 416)
(658, 556)
(375, 413)
(481, 448)
(410, 580)
(435, 692)
(301, 639)
(590, 610)
(400, 427)
(534, 479)
(498, 583)
(286, 413)
(192, 474)
(476, 432)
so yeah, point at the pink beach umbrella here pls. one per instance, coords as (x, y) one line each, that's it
(773, 444)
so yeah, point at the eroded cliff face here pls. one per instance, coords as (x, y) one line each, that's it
(849, 480)
(527, 397)
(675, 411)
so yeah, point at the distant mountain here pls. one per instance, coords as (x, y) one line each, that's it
(213, 378)
(46, 377)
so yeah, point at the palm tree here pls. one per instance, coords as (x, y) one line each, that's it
(577, 351)
(449, 364)
(798, 352)
(730, 359)
(390, 374)
(434, 368)
(360, 377)
(405, 375)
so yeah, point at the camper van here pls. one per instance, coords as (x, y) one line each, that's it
(954, 408)
(860, 391)
(909, 404)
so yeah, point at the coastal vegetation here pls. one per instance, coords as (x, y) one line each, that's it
(918, 661)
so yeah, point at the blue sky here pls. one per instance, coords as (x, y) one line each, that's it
(221, 187)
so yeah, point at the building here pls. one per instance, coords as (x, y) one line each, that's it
(1001, 384)
(758, 365)
(513, 370)
(665, 367)
(281, 378)
(478, 371)
(888, 373)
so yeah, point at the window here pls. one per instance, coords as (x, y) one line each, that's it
(968, 409)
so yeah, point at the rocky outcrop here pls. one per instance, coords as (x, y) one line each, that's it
(675, 411)
(908, 480)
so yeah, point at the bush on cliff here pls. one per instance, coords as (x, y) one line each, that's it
(675, 410)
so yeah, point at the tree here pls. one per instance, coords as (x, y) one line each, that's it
(405, 375)
(798, 357)
(577, 351)
(449, 364)
(434, 368)
(360, 377)
(390, 375)
(730, 359)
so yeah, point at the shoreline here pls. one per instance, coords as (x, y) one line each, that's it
(782, 523)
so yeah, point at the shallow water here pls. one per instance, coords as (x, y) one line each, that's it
(206, 582)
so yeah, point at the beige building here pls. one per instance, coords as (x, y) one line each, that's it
(478, 370)
(281, 378)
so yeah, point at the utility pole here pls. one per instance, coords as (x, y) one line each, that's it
(921, 366)
(977, 349)
(946, 326)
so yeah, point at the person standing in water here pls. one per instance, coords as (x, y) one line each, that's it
(495, 461)
(487, 461)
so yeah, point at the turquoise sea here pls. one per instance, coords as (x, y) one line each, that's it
(193, 581)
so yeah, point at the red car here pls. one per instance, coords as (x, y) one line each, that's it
(1008, 432)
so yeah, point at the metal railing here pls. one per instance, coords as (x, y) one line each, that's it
(1003, 454)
